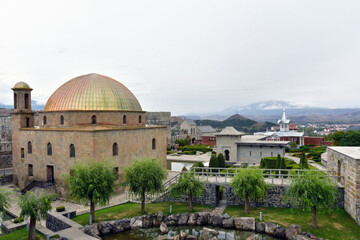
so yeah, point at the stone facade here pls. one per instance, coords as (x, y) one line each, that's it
(56, 222)
(253, 153)
(160, 119)
(6, 179)
(345, 161)
(275, 197)
(5, 142)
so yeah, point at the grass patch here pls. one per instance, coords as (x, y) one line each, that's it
(334, 225)
(22, 234)
(129, 210)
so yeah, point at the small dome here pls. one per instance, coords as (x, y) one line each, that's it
(21, 85)
(92, 92)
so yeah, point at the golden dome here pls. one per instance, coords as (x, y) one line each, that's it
(21, 85)
(92, 92)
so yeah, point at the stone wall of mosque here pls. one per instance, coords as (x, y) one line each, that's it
(348, 167)
(160, 119)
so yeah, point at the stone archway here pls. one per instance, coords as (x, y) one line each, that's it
(227, 155)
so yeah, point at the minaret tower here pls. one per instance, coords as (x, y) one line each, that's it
(284, 123)
(22, 106)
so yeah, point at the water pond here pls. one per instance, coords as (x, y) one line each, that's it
(153, 233)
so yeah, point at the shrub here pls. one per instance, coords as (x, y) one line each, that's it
(183, 142)
(269, 163)
(198, 164)
(60, 209)
(213, 162)
(18, 220)
(221, 160)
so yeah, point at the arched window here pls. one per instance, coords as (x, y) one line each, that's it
(44, 120)
(115, 149)
(139, 119)
(62, 120)
(27, 122)
(49, 149)
(153, 143)
(29, 148)
(124, 119)
(26, 98)
(72, 150)
(93, 120)
(15, 101)
(227, 155)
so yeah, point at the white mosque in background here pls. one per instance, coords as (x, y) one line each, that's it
(287, 132)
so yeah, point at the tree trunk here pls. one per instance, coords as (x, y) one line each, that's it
(190, 203)
(143, 202)
(32, 228)
(92, 211)
(246, 204)
(314, 223)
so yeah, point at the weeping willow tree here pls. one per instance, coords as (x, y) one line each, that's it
(92, 182)
(248, 184)
(311, 192)
(143, 176)
(35, 206)
(190, 186)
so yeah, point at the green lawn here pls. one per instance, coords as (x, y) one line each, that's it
(334, 225)
(129, 210)
(22, 234)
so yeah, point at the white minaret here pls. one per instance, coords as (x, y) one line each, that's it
(284, 123)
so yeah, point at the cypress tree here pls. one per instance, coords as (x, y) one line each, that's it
(213, 162)
(278, 162)
(221, 160)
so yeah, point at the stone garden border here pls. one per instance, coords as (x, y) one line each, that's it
(101, 229)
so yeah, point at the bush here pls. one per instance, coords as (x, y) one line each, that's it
(268, 163)
(213, 162)
(221, 160)
(183, 142)
(60, 209)
(18, 220)
(195, 148)
(198, 164)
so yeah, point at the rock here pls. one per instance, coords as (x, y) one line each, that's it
(193, 219)
(292, 231)
(252, 237)
(260, 227)
(164, 228)
(208, 234)
(137, 224)
(147, 223)
(302, 237)
(162, 237)
(245, 223)
(159, 216)
(182, 235)
(191, 237)
(270, 228)
(215, 220)
(126, 224)
(228, 222)
(202, 220)
(226, 215)
(183, 219)
(177, 237)
(279, 233)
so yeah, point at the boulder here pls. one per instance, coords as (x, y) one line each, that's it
(260, 227)
(208, 234)
(159, 216)
(292, 231)
(147, 223)
(202, 219)
(182, 235)
(245, 223)
(126, 224)
(228, 222)
(164, 228)
(137, 224)
(215, 220)
(252, 237)
(183, 219)
(193, 219)
(177, 237)
(279, 233)
(270, 228)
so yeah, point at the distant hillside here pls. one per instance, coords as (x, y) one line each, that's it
(34, 106)
(239, 122)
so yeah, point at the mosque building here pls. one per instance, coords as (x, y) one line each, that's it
(90, 117)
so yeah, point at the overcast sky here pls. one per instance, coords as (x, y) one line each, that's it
(187, 56)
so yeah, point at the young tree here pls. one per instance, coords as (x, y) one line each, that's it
(278, 161)
(303, 164)
(213, 162)
(92, 182)
(221, 160)
(311, 191)
(248, 184)
(35, 206)
(282, 164)
(144, 176)
(4, 199)
(190, 186)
